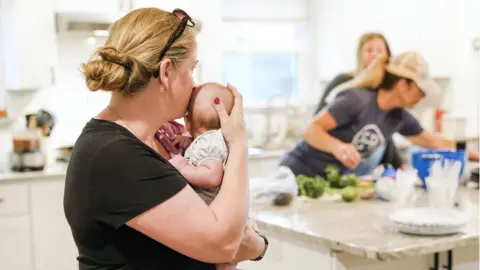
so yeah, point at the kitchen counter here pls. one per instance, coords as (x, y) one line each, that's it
(265, 160)
(267, 154)
(360, 228)
(57, 170)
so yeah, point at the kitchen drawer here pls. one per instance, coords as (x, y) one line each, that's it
(13, 199)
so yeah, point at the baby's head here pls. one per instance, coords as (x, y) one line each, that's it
(201, 114)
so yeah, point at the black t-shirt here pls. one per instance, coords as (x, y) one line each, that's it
(113, 177)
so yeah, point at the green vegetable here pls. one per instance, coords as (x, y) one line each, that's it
(312, 187)
(332, 168)
(332, 191)
(353, 180)
(333, 176)
(344, 181)
(349, 194)
(336, 180)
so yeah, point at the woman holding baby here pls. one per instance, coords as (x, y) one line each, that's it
(128, 207)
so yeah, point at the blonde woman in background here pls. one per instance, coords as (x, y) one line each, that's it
(373, 53)
(127, 206)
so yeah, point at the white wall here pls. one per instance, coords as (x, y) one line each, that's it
(466, 63)
(441, 30)
(404, 23)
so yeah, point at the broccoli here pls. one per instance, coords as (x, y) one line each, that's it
(349, 194)
(312, 187)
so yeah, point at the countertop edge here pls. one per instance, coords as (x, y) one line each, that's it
(34, 175)
(366, 252)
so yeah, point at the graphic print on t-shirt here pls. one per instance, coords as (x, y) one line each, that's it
(368, 139)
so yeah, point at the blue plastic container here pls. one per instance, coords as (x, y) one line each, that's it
(390, 172)
(422, 161)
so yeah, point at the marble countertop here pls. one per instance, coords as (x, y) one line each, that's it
(361, 228)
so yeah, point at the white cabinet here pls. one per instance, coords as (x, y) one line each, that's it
(164, 4)
(15, 252)
(15, 237)
(53, 245)
(28, 43)
(288, 255)
(95, 6)
(273, 260)
(34, 234)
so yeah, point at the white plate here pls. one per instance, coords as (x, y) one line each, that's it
(422, 230)
(429, 221)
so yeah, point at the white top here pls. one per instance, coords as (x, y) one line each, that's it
(208, 146)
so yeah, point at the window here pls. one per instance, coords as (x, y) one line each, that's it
(264, 60)
(262, 76)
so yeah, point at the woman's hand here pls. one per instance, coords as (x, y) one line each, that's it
(233, 125)
(347, 154)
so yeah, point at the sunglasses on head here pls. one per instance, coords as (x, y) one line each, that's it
(186, 21)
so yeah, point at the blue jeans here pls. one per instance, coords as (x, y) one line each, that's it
(367, 165)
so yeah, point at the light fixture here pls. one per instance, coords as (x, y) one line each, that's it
(101, 33)
(91, 41)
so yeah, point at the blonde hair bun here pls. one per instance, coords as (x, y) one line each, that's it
(131, 53)
(113, 71)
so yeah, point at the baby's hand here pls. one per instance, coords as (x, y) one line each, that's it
(182, 141)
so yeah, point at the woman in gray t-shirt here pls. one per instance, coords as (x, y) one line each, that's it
(371, 49)
(352, 131)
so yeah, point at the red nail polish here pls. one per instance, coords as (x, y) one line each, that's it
(216, 100)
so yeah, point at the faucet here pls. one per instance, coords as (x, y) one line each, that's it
(268, 116)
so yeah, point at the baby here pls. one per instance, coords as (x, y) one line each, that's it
(204, 160)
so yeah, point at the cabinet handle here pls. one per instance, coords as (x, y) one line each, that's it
(1, 200)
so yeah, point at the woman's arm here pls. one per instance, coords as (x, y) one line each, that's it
(186, 224)
(432, 140)
(208, 174)
(316, 135)
(341, 112)
(252, 245)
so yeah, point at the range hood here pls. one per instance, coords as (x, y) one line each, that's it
(91, 24)
(84, 24)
